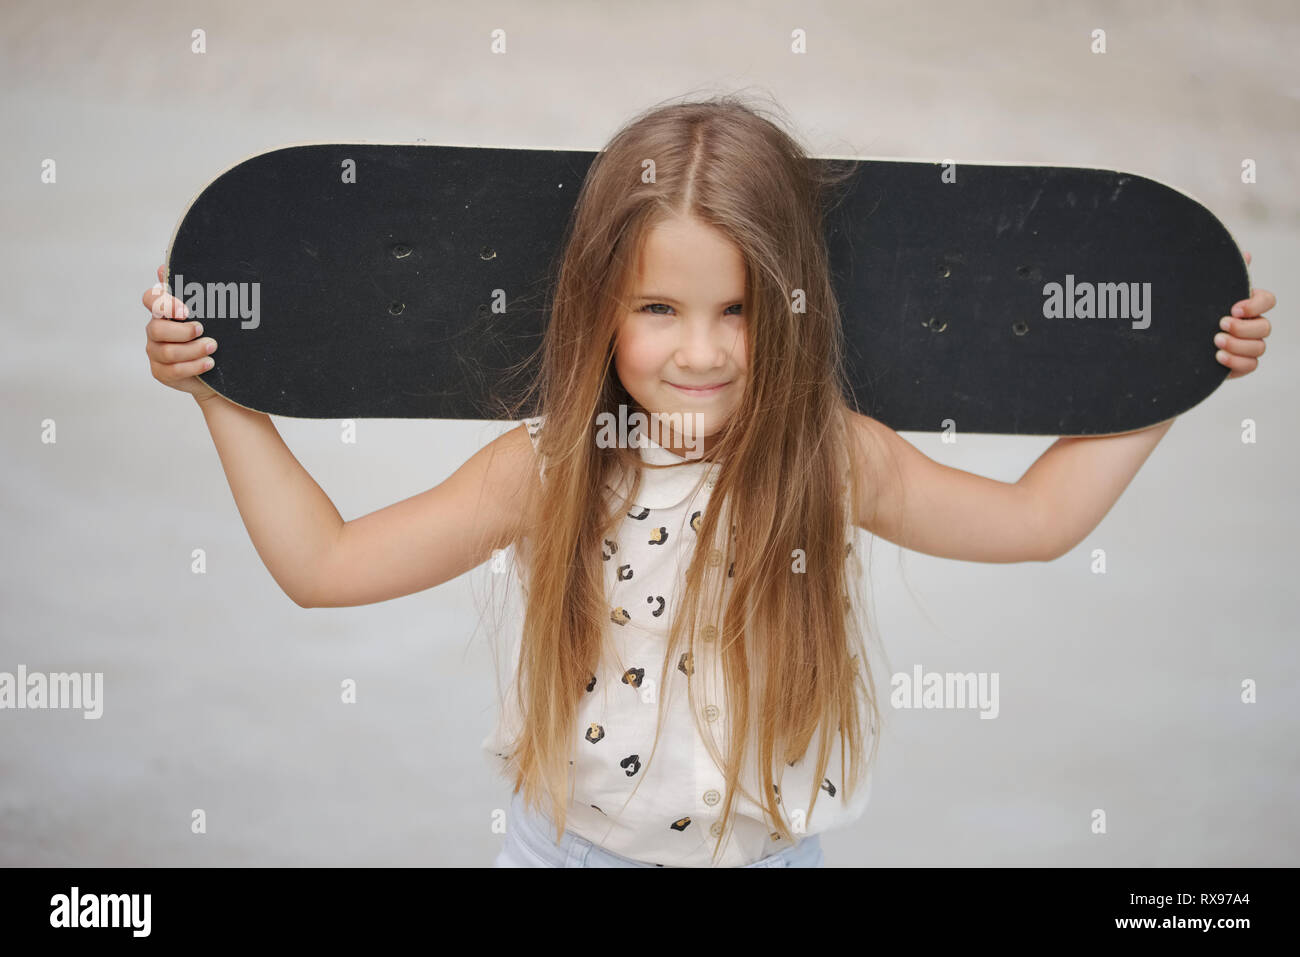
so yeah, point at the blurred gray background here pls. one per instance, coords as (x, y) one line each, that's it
(1118, 691)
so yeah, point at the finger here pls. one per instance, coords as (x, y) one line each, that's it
(170, 353)
(1260, 302)
(1251, 348)
(169, 330)
(182, 370)
(162, 273)
(1240, 365)
(1258, 328)
(153, 292)
(1247, 258)
(167, 306)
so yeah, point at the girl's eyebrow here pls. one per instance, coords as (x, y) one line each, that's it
(669, 299)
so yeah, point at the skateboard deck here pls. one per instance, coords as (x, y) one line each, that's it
(363, 280)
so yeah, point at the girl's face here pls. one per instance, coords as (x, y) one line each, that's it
(685, 329)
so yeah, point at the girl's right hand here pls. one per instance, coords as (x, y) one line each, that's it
(176, 353)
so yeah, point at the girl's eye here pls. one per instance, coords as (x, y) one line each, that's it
(649, 306)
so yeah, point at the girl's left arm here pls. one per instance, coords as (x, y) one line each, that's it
(920, 504)
(917, 503)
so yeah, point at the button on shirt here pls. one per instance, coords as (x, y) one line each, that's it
(667, 811)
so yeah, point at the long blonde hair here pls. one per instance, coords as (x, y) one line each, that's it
(790, 645)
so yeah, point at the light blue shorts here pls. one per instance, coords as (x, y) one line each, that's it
(530, 842)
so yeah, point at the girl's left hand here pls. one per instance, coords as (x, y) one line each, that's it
(1241, 342)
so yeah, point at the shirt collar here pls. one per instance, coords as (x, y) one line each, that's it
(667, 487)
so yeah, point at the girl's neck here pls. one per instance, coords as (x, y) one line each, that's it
(696, 451)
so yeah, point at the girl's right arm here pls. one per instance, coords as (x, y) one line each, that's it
(318, 559)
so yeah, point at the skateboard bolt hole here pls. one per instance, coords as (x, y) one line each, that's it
(401, 252)
(487, 252)
(944, 271)
(936, 325)
(1020, 327)
(396, 308)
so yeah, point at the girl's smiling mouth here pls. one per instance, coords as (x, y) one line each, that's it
(700, 391)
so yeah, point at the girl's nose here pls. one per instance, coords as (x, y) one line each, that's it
(703, 346)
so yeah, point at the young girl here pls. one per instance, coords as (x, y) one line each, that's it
(691, 686)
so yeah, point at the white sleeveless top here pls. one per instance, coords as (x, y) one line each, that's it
(673, 817)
